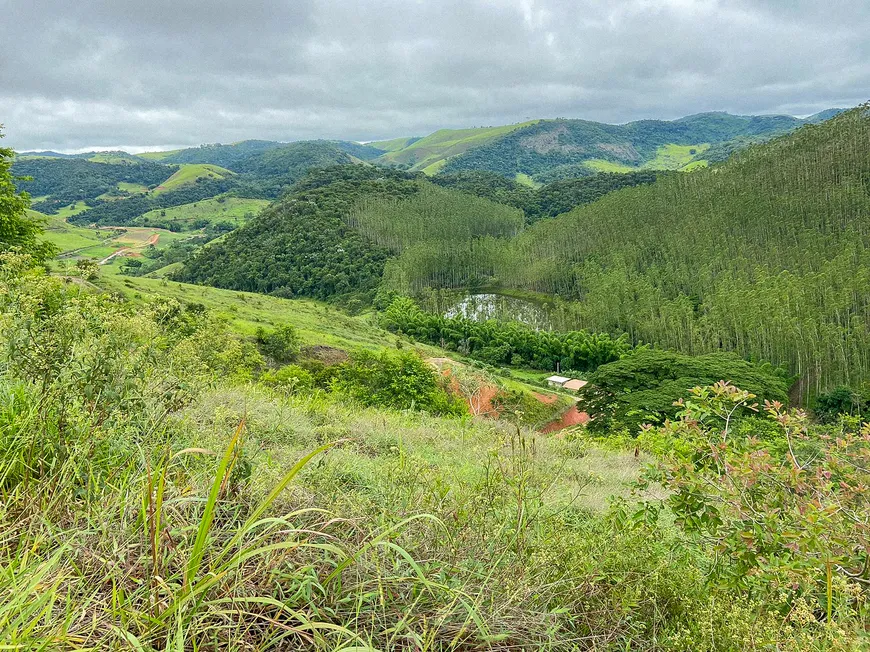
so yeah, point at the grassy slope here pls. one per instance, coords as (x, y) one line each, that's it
(602, 165)
(114, 157)
(392, 145)
(67, 237)
(232, 209)
(132, 187)
(158, 156)
(675, 157)
(445, 143)
(72, 209)
(189, 172)
(668, 157)
(317, 323)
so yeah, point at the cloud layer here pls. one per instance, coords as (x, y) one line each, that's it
(117, 73)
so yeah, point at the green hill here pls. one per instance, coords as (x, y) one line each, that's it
(62, 181)
(436, 148)
(550, 150)
(394, 144)
(189, 173)
(217, 210)
(301, 246)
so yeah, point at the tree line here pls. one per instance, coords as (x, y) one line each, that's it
(506, 343)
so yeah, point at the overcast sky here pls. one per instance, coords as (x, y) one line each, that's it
(82, 74)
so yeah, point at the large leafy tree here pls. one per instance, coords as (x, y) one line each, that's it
(17, 230)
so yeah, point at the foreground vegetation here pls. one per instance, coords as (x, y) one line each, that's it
(155, 496)
(172, 479)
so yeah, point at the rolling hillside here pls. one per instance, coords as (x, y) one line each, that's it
(189, 173)
(550, 150)
(431, 153)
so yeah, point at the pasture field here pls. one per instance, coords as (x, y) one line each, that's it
(602, 165)
(189, 172)
(214, 210)
(71, 209)
(67, 237)
(394, 144)
(158, 156)
(526, 180)
(674, 157)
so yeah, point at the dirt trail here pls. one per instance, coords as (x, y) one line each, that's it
(120, 252)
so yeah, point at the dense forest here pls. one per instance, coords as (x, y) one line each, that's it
(766, 255)
(547, 201)
(501, 343)
(67, 180)
(301, 246)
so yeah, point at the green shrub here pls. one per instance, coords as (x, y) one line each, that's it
(401, 380)
(281, 344)
(290, 378)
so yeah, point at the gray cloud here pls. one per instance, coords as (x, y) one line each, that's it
(110, 73)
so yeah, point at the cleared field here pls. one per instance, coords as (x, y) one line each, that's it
(217, 209)
(189, 173)
(435, 168)
(695, 165)
(132, 187)
(67, 237)
(114, 157)
(157, 156)
(394, 144)
(675, 157)
(526, 180)
(72, 209)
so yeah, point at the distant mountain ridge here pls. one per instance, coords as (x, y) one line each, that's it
(542, 150)
(550, 150)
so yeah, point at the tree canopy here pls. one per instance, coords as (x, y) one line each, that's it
(17, 229)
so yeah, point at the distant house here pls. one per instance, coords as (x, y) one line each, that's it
(557, 381)
(571, 384)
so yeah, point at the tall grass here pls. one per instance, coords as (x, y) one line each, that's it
(152, 500)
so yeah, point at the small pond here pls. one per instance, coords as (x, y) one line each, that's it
(480, 307)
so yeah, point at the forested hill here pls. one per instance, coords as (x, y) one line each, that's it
(550, 150)
(301, 245)
(767, 255)
(115, 188)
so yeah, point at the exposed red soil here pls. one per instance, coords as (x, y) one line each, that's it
(570, 417)
(480, 403)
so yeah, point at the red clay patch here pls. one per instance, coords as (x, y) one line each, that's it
(570, 417)
(549, 399)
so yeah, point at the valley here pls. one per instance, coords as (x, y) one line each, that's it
(556, 385)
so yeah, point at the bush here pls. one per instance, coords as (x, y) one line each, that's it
(281, 344)
(400, 380)
(788, 523)
(291, 379)
(841, 400)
